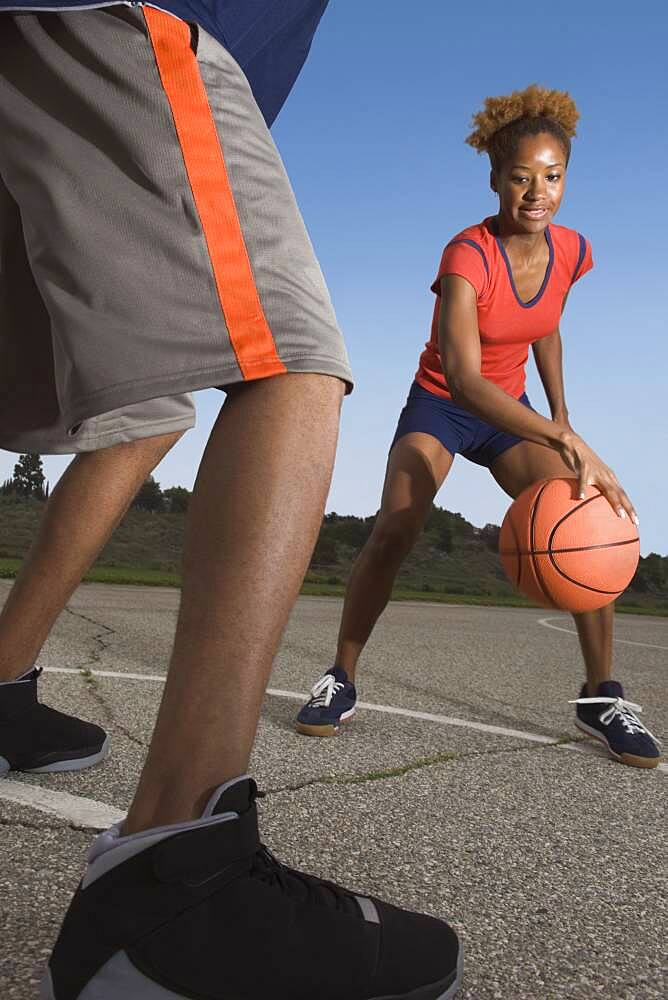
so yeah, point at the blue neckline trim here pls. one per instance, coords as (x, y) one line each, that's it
(548, 270)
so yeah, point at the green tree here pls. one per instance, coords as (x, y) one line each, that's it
(445, 541)
(490, 536)
(325, 552)
(28, 479)
(149, 497)
(353, 531)
(459, 526)
(651, 575)
(655, 568)
(177, 499)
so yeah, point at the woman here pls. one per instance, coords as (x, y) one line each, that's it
(502, 286)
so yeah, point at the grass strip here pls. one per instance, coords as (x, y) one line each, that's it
(145, 577)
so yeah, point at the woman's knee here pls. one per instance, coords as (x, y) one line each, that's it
(394, 536)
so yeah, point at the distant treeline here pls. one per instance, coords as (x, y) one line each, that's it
(451, 556)
(29, 483)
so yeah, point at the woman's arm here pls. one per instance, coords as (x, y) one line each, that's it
(459, 346)
(548, 354)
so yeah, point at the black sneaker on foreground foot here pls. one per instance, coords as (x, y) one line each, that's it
(203, 910)
(611, 719)
(34, 737)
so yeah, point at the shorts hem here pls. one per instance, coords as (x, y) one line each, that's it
(415, 430)
(126, 435)
(488, 461)
(137, 390)
(74, 445)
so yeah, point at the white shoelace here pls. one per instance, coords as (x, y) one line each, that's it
(618, 707)
(324, 690)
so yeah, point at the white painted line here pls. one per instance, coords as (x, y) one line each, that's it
(85, 813)
(546, 622)
(90, 814)
(408, 713)
(158, 678)
(443, 720)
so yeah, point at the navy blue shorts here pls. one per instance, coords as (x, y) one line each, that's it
(459, 431)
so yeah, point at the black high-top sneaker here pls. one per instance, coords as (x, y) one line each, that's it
(202, 910)
(34, 737)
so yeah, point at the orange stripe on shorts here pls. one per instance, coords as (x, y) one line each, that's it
(249, 331)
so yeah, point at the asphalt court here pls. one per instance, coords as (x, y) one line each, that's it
(461, 789)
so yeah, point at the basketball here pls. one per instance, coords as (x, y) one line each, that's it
(564, 552)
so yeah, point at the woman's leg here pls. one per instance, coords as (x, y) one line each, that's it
(514, 470)
(416, 469)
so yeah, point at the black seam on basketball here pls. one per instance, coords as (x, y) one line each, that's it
(577, 583)
(537, 573)
(583, 503)
(516, 552)
(583, 548)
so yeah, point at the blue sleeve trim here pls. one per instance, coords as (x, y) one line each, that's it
(475, 246)
(581, 256)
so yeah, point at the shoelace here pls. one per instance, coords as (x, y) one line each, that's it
(299, 885)
(324, 690)
(618, 707)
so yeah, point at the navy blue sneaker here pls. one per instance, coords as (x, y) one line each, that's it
(202, 910)
(611, 719)
(332, 702)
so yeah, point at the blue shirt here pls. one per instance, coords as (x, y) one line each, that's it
(270, 39)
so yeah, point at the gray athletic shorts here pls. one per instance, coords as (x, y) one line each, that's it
(150, 242)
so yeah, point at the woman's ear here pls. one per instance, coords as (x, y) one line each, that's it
(492, 182)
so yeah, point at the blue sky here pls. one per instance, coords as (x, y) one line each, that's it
(373, 139)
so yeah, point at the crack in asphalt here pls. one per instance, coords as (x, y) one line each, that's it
(387, 774)
(41, 827)
(91, 681)
(419, 764)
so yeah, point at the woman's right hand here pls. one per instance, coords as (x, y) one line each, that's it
(592, 471)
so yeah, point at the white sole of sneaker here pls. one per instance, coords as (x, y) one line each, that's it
(76, 764)
(624, 758)
(119, 979)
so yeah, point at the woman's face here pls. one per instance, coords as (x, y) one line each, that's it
(530, 186)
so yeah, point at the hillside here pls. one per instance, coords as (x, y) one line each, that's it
(452, 556)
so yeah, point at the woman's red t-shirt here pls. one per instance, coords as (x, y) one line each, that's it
(507, 325)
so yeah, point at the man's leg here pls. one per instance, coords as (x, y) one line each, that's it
(87, 504)
(182, 899)
(252, 524)
(82, 512)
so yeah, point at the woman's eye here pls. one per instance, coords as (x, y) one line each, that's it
(520, 180)
(554, 177)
